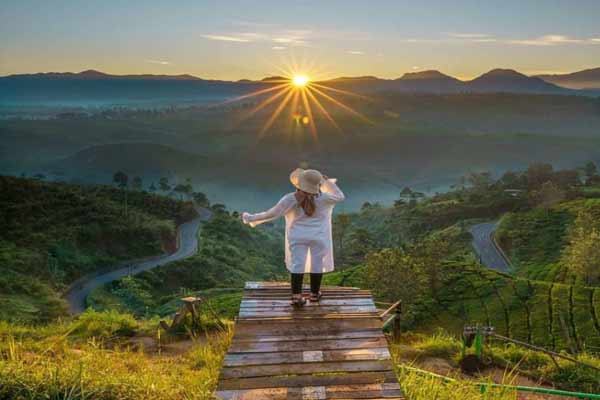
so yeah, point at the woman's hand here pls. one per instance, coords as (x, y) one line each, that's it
(245, 217)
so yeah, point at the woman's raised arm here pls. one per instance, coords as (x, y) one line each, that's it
(333, 192)
(276, 211)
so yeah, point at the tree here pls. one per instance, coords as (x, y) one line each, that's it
(152, 188)
(137, 184)
(341, 224)
(510, 180)
(480, 180)
(200, 199)
(590, 170)
(406, 193)
(432, 252)
(548, 195)
(181, 189)
(164, 185)
(538, 174)
(360, 243)
(396, 275)
(188, 188)
(582, 254)
(121, 179)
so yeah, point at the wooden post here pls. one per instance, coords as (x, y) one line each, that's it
(396, 329)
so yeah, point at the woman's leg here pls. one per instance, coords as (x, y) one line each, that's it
(315, 282)
(297, 280)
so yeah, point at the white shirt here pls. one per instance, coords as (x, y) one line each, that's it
(308, 241)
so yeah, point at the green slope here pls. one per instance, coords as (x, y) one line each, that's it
(54, 233)
(535, 239)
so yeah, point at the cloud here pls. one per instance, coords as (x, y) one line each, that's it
(278, 48)
(469, 35)
(287, 37)
(355, 52)
(227, 38)
(547, 40)
(159, 62)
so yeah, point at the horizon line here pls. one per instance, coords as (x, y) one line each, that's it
(266, 77)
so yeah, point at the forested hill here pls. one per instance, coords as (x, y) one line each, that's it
(52, 233)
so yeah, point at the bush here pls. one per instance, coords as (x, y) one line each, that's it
(103, 325)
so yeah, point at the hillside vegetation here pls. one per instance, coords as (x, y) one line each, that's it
(535, 240)
(230, 254)
(54, 233)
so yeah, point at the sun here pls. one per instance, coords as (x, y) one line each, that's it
(301, 92)
(300, 80)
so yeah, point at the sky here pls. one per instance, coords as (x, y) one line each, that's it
(326, 38)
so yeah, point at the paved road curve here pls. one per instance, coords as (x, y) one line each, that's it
(486, 249)
(188, 246)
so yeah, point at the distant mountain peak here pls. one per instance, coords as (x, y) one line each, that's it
(274, 78)
(504, 73)
(428, 74)
(92, 73)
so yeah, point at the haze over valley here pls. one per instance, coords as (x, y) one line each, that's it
(424, 130)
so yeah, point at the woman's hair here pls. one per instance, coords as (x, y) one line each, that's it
(306, 201)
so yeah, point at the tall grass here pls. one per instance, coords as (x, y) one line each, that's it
(417, 386)
(59, 367)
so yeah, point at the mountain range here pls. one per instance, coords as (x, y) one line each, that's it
(92, 87)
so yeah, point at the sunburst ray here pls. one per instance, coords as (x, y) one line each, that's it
(341, 91)
(256, 93)
(276, 113)
(322, 109)
(311, 121)
(342, 105)
(265, 103)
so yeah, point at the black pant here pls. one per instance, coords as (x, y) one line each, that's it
(315, 283)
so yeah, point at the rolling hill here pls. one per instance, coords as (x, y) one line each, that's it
(586, 79)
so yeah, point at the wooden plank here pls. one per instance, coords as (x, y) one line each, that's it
(359, 301)
(250, 327)
(278, 285)
(305, 311)
(305, 368)
(367, 333)
(299, 316)
(308, 380)
(263, 347)
(366, 391)
(246, 359)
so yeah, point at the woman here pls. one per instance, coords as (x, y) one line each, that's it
(308, 244)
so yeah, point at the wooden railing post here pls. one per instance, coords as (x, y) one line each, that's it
(397, 314)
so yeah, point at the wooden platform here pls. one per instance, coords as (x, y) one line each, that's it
(334, 349)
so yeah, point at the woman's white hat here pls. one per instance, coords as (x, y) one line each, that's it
(307, 180)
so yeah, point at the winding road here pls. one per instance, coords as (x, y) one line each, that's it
(188, 246)
(485, 247)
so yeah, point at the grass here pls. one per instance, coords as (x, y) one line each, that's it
(513, 358)
(417, 386)
(70, 360)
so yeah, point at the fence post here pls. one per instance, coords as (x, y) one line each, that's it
(396, 328)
